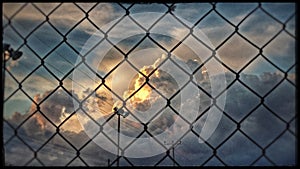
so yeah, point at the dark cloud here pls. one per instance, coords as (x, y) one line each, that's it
(57, 104)
(262, 83)
(189, 152)
(262, 126)
(165, 83)
(142, 106)
(259, 28)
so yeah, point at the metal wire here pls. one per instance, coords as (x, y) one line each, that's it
(171, 8)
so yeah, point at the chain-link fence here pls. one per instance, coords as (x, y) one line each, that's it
(254, 43)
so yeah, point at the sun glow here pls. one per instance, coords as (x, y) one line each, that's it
(144, 93)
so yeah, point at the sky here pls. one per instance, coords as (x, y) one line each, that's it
(147, 103)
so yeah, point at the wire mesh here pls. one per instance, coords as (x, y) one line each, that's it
(61, 74)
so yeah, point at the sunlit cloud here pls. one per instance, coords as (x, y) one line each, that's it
(124, 81)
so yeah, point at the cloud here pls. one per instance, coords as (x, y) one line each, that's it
(56, 107)
(235, 12)
(65, 15)
(237, 56)
(262, 83)
(259, 28)
(189, 152)
(36, 131)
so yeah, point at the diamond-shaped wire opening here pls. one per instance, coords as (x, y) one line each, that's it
(125, 34)
(65, 17)
(215, 28)
(224, 128)
(41, 43)
(281, 51)
(241, 53)
(61, 60)
(261, 130)
(192, 53)
(84, 36)
(240, 101)
(229, 153)
(27, 20)
(46, 83)
(282, 100)
(259, 28)
(57, 151)
(104, 58)
(261, 76)
(183, 106)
